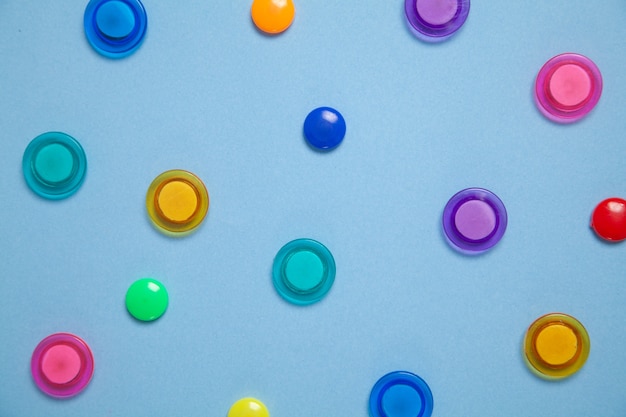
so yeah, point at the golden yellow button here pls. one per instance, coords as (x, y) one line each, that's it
(177, 202)
(556, 346)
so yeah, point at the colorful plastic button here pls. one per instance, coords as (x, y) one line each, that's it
(435, 20)
(62, 365)
(115, 28)
(401, 394)
(567, 88)
(146, 299)
(54, 165)
(474, 220)
(324, 128)
(609, 219)
(272, 16)
(248, 407)
(556, 346)
(303, 271)
(177, 202)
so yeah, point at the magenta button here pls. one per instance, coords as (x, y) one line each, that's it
(435, 20)
(474, 220)
(567, 88)
(62, 365)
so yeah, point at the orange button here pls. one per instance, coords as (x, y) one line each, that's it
(272, 16)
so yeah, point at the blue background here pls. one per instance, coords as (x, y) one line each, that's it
(208, 93)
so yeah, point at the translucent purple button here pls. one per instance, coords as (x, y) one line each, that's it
(435, 20)
(474, 220)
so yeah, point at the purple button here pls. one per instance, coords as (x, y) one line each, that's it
(474, 220)
(435, 20)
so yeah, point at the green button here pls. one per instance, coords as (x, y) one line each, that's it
(146, 299)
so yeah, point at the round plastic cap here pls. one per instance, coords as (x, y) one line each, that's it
(62, 365)
(401, 394)
(556, 346)
(248, 407)
(54, 165)
(177, 202)
(324, 128)
(474, 220)
(567, 88)
(303, 271)
(115, 28)
(609, 219)
(147, 299)
(435, 20)
(272, 16)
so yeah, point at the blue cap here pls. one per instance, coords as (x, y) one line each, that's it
(54, 165)
(115, 28)
(324, 128)
(303, 271)
(401, 394)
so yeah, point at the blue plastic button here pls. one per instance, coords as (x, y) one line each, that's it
(324, 128)
(401, 394)
(115, 28)
(303, 271)
(54, 165)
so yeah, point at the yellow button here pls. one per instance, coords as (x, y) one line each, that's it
(272, 16)
(556, 346)
(177, 202)
(248, 407)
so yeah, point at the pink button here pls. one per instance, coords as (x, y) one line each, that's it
(570, 85)
(62, 365)
(567, 88)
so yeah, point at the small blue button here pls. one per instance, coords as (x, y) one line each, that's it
(303, 271)
(401, 394)
(54, 165)
(324, 128)
(115, 28)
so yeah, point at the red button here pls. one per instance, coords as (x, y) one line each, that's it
(609, 219)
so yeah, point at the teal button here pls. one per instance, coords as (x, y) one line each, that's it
(54, 165)
(303, 271)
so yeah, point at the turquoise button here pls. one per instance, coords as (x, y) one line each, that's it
(54, 165)
(303, 271)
